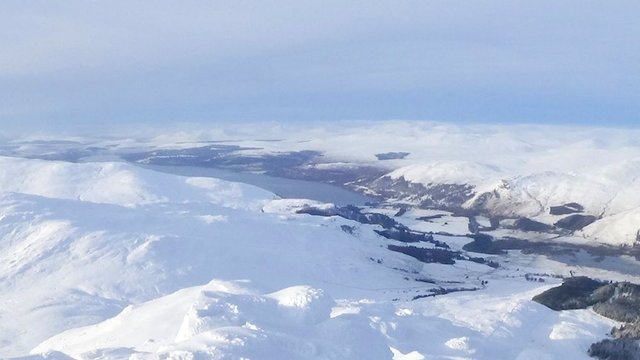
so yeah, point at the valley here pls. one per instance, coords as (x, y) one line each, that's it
(240, 251)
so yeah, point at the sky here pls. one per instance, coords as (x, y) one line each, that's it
(81, 63)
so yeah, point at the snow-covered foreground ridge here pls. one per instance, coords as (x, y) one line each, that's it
(108, 261)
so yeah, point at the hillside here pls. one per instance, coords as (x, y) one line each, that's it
(110, 261)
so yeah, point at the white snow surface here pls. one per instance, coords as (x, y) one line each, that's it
(451, 172)
(609, 192)
(119, 184)
(531, 167)
(110, 261)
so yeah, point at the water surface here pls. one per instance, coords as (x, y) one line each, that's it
(283, 187)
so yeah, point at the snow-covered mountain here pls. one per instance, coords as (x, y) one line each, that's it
(609, 193)
(504, 171)
(110, 261)
(518, 171)
(75, 251)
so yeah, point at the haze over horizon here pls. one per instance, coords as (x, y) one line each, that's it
(74, 64)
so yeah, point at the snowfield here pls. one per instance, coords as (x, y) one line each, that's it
(110, 261)
(527, 169)
(450, 172)
(610, 193)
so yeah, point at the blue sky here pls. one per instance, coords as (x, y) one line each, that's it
(85, 62)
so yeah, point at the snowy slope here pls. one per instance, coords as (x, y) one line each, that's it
(605, 191)
(150, 265)
(516, 170)
(529, 167)
(79, 255)
(610, 192)
(226, 320)
(451, 172)
(609, 189)
(119, 184)
(621, 228)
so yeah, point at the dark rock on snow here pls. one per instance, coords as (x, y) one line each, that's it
(526, 224)
(618, 349)
(575, 222)
(427, 255)
(483, 243)
(404, 235)
(618, 301)
(574, 293)
(570, 208)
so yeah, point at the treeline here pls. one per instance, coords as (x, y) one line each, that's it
(619, 301)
